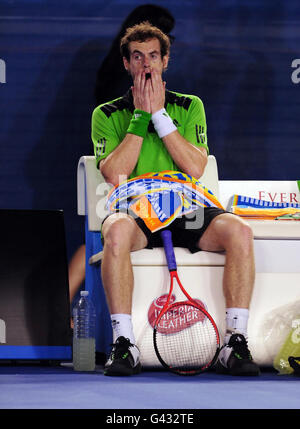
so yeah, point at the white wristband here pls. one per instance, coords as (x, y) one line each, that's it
(162, 122)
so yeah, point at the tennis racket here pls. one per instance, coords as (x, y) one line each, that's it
(185, 337)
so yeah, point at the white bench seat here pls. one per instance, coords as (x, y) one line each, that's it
(275, 229)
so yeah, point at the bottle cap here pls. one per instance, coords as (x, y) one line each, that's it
(84, 293)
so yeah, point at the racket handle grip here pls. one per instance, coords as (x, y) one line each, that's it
(166, 236)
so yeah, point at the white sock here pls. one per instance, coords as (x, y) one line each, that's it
(236, 322)
(122, 327)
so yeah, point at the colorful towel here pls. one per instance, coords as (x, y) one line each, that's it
(159, 198)
(252, 208)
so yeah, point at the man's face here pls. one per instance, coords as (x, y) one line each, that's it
(145, 56)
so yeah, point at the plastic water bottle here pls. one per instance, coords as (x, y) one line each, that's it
(291, 347)
(84, 344)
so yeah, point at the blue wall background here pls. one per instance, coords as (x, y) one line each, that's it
(235, 55)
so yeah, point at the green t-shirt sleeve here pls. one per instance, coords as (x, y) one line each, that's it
(195, 128)
(104, 136)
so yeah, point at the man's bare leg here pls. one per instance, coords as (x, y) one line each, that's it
(121, 236)
(76, 271)
(232, 234)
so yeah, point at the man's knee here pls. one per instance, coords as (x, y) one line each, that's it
(118, 232)
(232, 232)
(239, 235)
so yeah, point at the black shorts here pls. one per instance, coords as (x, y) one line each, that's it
(185, 230)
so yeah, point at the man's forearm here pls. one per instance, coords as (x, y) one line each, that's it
(187, 157)
(122, 160)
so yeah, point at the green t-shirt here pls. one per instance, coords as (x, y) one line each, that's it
(110, 122)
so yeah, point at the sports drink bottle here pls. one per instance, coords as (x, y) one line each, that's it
(291, 347)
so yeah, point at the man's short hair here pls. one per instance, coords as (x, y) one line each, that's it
(141, 33)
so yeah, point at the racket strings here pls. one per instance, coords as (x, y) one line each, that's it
(190, 349)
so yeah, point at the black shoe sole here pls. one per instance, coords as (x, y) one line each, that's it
(117, 369)
(250, 370)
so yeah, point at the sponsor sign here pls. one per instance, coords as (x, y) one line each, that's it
(178, 318)
(273, 191)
